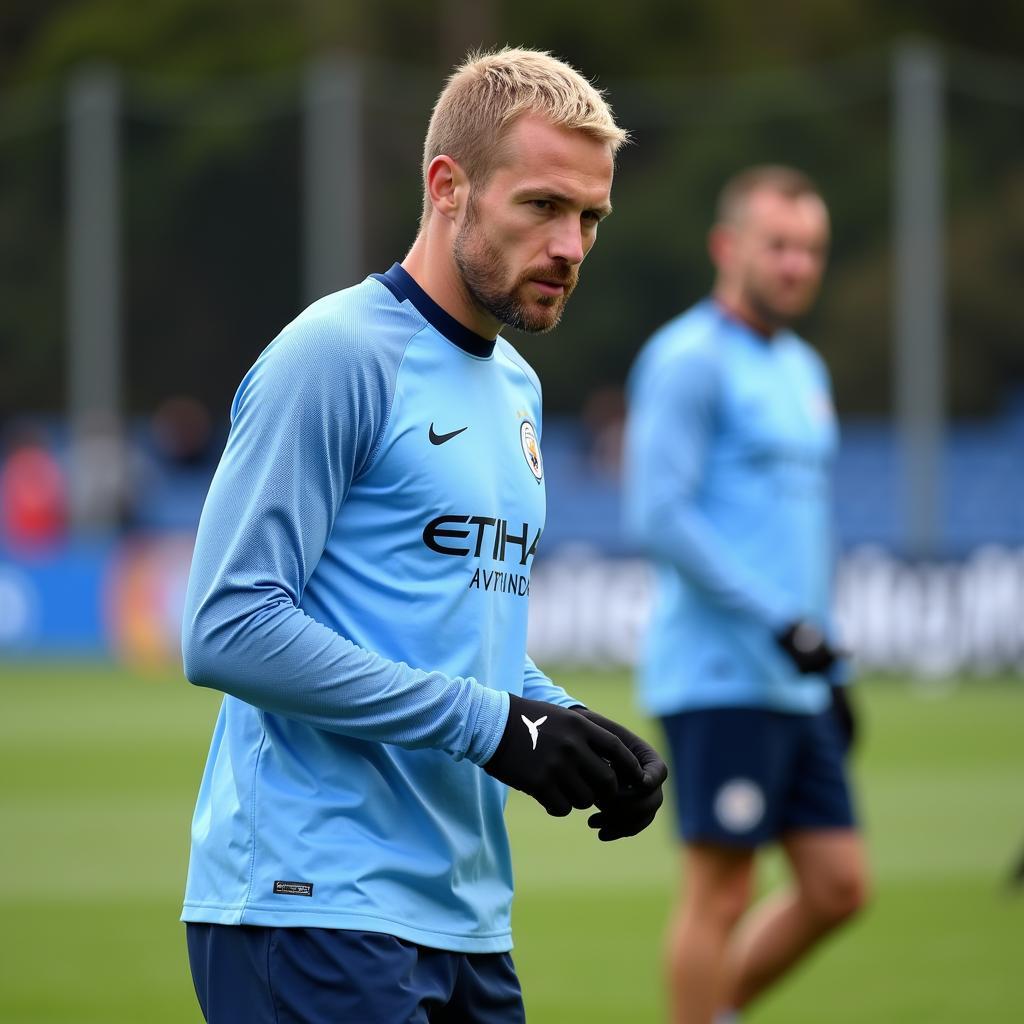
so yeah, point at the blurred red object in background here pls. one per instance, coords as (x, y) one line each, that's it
(33, 498)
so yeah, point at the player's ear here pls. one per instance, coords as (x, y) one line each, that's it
(447, 186)
(720, 245)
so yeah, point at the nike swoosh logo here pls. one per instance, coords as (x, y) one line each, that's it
(441, 438)
(533, 727)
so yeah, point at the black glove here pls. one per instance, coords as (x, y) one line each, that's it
(845, 718)
(807, 646)
(633, 807)
(560, 758)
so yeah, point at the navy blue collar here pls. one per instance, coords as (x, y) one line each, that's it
(399, 282)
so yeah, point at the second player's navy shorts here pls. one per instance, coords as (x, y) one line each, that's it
(252, 975)
(746, 776)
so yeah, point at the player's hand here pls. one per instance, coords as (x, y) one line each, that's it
(560, 758)
(844, 715)
(631, 808)
(808, 647)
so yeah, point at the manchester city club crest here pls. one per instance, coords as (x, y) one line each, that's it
(531, 449)
(739, 805)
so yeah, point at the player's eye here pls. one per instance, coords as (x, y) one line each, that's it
(542, 204)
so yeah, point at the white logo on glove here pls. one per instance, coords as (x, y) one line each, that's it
(533, 727)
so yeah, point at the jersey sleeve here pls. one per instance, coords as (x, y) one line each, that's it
(537, 686)
(842, 671)
(671, 420)
(305, 423)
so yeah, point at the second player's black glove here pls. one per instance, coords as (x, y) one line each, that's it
(560, 758)
(808, 647)
(843, 713)
(632, 808)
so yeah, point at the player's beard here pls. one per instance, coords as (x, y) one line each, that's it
(774, 312)
(485, 276)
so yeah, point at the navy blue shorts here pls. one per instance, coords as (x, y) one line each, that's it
(746, 776)
(250, 975)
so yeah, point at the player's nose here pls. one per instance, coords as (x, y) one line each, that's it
(566, 241)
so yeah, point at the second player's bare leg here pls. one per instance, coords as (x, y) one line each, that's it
(717, 890)
(829, 886)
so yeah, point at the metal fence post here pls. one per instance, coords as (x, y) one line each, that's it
(920, 323)
(332, 193)
(94, 298)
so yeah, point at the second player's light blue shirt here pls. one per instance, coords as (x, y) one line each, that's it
(730, 443)
(359, 590)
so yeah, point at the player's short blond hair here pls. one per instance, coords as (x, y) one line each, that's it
(487, 93)
(786, 181)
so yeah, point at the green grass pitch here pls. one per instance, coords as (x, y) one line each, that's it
(100, 768)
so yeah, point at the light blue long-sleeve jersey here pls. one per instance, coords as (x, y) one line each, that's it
(729, 447)
(359, 590)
